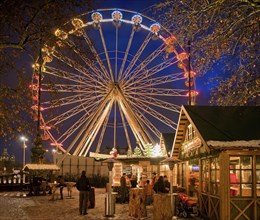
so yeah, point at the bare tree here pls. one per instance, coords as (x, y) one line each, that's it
(25, 25)
(224, 37)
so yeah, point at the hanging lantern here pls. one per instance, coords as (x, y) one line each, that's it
(96, 17)
(137, 19)
(61, 34)
(187, 83)
(155, 28)
(182, 56)
(181, 65)
(193, 93)
(77, 23)
(192, 74)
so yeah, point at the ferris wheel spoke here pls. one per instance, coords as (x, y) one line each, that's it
(94, 51)
(83, 121)
(125, 130)
(106, 53)
(71, 88)
(144, 63)
(159, 103)
(63, 101)
(134, 125)
(153, 128)
(135, 58)
(126, 54)
(93, 117)
(103, 132)
(84, 106)
(75, 65)
(66, 115)
(152, 82)
(86, 60)
(115, 124)
(97, 124)
(64, 74)
(133, 119)
(154, 113)
(142, 75)
(93, 127)
(160, 92)
(116, 60)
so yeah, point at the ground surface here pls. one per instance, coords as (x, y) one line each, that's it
(13, 205)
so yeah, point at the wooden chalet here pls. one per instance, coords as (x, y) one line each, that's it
(219, 149)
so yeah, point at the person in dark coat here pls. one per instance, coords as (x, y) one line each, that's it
(123, 188)
(159, 186)
(166, 184)
(84, 187)
(61, 185)
(133, 182)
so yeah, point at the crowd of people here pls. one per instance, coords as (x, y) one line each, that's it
(158, 184)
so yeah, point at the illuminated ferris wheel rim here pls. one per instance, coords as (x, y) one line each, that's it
(154, 26)
(117, 17)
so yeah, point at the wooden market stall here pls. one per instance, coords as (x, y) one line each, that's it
(220, 159)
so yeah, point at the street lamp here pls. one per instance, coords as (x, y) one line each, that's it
(24, 139)
(54, 155)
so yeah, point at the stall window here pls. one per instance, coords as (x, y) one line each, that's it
(241, 183)
(205, 175)
(214, 176)
(181, 177)
(191, 133)
(258, 176)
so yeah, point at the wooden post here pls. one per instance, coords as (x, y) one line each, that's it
(137, 208)
(224, 186)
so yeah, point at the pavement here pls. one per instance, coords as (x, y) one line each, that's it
(15, 205)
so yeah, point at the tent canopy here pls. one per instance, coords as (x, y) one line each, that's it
(37, 167)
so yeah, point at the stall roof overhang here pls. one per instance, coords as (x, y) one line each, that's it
(37, 167)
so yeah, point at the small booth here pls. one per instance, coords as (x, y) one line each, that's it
(38, 176)
(220, 160)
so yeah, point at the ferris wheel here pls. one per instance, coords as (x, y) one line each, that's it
(110, 74)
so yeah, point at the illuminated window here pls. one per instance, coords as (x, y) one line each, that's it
(191, 133)
(258, 176)
(241, 181)
(205, 175)
(214, 176)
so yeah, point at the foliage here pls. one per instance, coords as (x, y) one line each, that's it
(224, 36)
(25, 25)
(98, 181)
(37, 151)
(148, 149)
(137, 152)
(95, 180)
